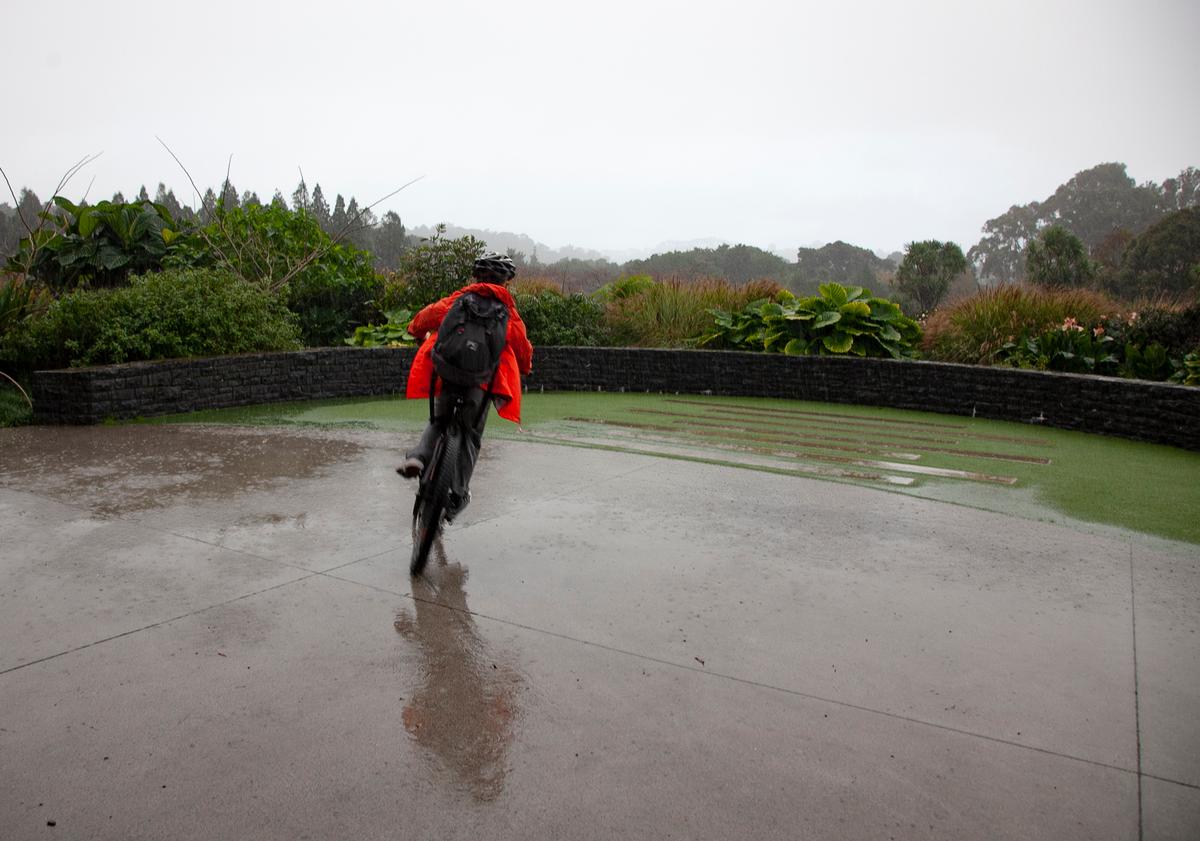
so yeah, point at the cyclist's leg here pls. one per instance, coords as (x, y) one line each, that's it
(474, 420)
(423, 451)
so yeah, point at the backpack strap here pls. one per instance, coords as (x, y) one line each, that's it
(432, 387)
(487, 397)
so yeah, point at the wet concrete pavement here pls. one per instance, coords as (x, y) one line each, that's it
(210, 633)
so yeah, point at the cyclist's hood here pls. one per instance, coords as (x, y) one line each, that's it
(492, 290)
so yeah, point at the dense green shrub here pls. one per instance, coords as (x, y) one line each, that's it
(175, 313)
(435, 268)
(841, 320)
(330, 286)
(1147, 363)
(329, 303)
(1178, 330)
(569, 320)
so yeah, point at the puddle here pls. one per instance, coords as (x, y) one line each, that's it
(120, 470)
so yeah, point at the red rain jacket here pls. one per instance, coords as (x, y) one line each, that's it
(516, 359)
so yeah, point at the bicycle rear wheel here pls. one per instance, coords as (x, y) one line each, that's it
(432, 498)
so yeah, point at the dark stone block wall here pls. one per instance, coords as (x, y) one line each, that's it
(1156, 412)
(146, 389)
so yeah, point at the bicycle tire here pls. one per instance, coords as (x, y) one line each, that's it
(433, 497)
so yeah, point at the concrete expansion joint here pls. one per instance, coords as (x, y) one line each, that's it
(159, 624)
(768, 686)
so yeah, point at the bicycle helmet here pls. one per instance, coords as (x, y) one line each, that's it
(493, 266)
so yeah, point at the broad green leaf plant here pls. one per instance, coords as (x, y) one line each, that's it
(393, 333)
(96, 245)
(841, 320)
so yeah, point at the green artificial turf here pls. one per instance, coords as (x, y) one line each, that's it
(1017, 469)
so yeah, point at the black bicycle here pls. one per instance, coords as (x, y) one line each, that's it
(437, 501)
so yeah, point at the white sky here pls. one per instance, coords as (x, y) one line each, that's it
(616, 124)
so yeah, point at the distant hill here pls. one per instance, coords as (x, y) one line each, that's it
(503, 240)
(842, 262)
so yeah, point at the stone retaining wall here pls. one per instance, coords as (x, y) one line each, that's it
(1157, 412)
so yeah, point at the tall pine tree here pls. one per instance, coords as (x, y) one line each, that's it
(229, 196)
(389, 241)
(338, 220)
(167, 199)
(300, 200)
(320, 208)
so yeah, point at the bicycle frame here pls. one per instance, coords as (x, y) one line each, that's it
(434, 488)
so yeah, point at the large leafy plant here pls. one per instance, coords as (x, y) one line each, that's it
(96, 245)
(1189, 370)
(1070, 347)
(393, 333)
(1082, 349)
(840, 320)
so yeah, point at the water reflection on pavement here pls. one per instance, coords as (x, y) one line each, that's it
(467, 706)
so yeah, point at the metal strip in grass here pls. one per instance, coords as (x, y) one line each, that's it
(791, 455)
(769, 410)
(924, 470)
(865, 446)
(724, 435)
(801, 470)
(860, 420)
(708, 420)
(809, 456)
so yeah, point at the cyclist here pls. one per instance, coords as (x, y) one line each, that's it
(491, 275)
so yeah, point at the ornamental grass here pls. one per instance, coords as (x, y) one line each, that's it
(675, 312)
(975, 329)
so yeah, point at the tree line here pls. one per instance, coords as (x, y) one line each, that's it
(1100, 228)
(1103, 207)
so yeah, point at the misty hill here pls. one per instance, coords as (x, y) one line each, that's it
(737, 263)
(502, 241)
(841, 262)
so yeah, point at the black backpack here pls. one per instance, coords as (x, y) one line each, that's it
(470, 340)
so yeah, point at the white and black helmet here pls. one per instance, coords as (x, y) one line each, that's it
(498, 266)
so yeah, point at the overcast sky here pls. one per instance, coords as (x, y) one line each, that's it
(615, 124)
